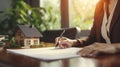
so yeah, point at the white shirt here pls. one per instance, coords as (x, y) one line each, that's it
(106, 22)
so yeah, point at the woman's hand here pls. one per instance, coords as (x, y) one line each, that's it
(64, 42)
(96, 49)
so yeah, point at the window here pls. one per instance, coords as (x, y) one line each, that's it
(81, 13)
(35, 42)
(53, 7)
(28, 42)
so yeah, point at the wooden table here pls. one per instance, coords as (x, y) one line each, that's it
(13, 60)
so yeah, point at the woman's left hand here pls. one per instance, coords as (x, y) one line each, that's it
(96, 49)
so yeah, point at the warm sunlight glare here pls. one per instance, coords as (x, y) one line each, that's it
(82, 12)
(79, 5)
(90, 2)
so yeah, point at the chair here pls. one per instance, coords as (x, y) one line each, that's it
(50, 35)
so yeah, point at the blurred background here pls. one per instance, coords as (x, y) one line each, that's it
(45, 15)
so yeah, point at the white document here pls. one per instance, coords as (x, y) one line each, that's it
(49, 53)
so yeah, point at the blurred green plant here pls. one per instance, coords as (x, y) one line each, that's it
(54, 7)
(13, 44)
(22, 13)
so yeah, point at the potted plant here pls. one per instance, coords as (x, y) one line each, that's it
(22, 13)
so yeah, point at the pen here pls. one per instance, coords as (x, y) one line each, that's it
(61, 35)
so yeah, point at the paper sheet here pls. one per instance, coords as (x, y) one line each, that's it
(49, 53)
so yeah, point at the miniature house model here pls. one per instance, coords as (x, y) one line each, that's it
(27, 35)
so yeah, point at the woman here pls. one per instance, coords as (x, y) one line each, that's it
(105, 33)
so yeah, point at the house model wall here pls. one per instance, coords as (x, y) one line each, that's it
(27, 35)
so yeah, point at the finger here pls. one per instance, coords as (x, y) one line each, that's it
(59, 38)
(56, 40)
(94, 53)
(64, 44)
(64, 38)
(61, 44)
(84, 50)
(78, 53)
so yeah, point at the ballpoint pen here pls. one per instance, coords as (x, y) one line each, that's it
(61, 35)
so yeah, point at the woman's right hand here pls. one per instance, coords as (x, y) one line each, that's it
(64, 42)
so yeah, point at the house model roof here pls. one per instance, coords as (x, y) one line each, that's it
(30, 31)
